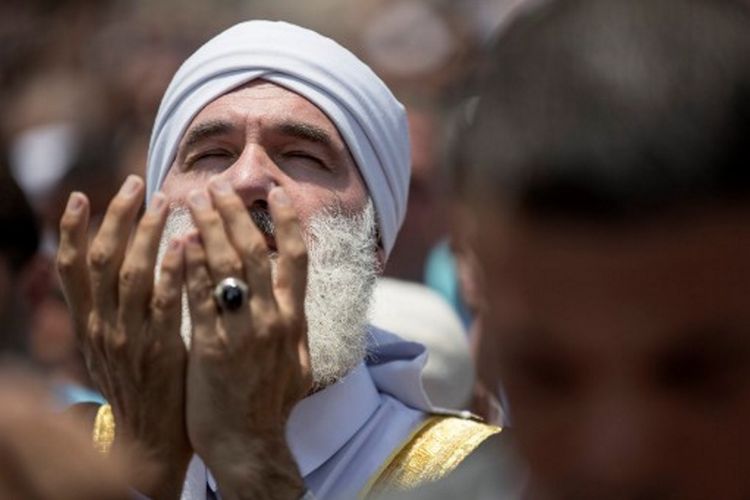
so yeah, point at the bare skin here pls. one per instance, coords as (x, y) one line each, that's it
(128, 327)
(260, 136)
(164, 401)
(263, 345)
(623, 351)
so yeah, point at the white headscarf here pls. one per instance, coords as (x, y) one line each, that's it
(367, 115)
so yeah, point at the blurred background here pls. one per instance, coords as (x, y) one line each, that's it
(81, 80)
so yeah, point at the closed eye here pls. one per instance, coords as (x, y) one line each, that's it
(707, 368)
(305, 156)
(211, 159)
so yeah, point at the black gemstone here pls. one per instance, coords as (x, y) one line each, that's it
(232, 297)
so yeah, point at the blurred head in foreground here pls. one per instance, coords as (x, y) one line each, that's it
(48, 456)
(608, 177)
(21, 283)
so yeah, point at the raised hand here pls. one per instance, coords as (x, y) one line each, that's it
(128, 326)
(247, 367)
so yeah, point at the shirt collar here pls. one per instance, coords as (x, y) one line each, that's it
(396, 365)
(323, 422)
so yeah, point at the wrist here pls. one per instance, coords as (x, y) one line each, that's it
(159, 474)
(255, 467)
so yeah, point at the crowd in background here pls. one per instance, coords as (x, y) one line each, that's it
(81, 81)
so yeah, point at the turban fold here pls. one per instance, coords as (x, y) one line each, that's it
(367, 115)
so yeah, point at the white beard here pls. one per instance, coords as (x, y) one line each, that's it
(342, 271)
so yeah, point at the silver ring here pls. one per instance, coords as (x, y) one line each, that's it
(231, 294)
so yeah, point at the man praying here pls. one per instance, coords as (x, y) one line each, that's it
(277, 177)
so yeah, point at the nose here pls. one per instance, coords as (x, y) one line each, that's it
(253, 175)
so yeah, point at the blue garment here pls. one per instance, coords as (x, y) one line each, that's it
(68, 394)
(442, 276)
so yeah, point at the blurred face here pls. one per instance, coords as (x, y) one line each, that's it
(624, 352)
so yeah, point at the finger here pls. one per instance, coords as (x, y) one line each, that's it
(108, 248)
(166, 302)
(203, 312)
(71, 259)
(136, 278)
(210, 323)
(247, 240)
(95, 353)
(221, 258)
(291, 278)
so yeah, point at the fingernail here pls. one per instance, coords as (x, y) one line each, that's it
(75, 203)
(198, 199)
(280, 196)
(220, 186)
(158, 202)
(175, 245)
(131, 185)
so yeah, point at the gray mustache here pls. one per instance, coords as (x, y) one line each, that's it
(263, 220)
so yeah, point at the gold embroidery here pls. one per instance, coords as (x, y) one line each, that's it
(104, 429)
(435, 450)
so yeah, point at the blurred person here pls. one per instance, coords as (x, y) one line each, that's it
(42, 36)
(51, 117)
(608, 183)
(23, 275)
(54, 353)
(45, 455)
(425, 221)
(270, 140)
(449, 267)
(52, 160)
(36, 326)
(425, 47)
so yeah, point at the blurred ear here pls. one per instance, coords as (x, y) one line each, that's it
(35, 280)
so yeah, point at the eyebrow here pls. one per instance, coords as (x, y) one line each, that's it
(305, 131)
(207, 130)
(300, 130)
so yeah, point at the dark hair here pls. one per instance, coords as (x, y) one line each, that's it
(614, 109)
(19, 230)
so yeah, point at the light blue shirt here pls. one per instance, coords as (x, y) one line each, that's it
(341, 436)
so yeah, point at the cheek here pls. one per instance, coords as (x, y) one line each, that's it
(305, 208)
(309, 200)
(483, 346)
(714, 446)
(178, 186)
(354, 197)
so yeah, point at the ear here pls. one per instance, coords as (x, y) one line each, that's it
(35, 280)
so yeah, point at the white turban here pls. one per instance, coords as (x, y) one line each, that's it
(367, 115)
